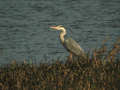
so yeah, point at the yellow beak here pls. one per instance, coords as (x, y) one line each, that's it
(53, 27)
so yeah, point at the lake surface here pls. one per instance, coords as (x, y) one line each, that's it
(25, 32)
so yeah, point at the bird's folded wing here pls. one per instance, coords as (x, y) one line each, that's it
(73, 46)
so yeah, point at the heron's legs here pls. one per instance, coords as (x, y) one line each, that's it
(70, 56)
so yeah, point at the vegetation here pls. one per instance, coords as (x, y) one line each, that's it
(100, 72)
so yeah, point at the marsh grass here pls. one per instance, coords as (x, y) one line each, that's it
(100, 72)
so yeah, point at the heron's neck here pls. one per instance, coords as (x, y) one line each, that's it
(62, 34)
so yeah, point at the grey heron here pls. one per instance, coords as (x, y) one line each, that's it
(71, 45)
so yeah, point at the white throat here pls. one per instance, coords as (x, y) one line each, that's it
(62, 34)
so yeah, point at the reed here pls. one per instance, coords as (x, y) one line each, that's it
(100, 72)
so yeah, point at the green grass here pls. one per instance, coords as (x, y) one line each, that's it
(100, 72)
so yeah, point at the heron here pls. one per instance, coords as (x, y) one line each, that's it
(71, 45)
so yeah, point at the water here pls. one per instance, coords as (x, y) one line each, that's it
(25, 32)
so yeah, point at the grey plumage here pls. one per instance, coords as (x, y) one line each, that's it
(71, 45)
(74, 47)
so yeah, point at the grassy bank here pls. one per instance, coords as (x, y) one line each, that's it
(100, 72)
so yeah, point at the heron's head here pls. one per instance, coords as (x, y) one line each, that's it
(59, 27)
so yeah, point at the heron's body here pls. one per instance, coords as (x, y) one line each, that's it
(71, 45)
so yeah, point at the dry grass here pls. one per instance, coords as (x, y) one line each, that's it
(101, 72)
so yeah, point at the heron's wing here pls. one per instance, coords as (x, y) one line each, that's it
(73, 47)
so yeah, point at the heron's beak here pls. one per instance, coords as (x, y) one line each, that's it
(54, 27)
